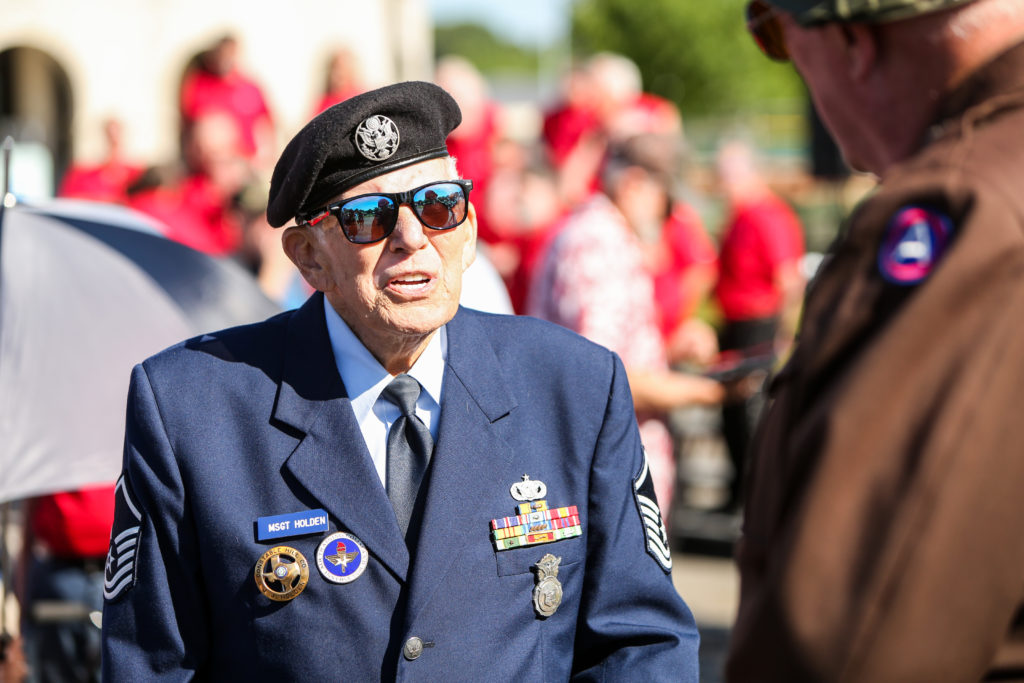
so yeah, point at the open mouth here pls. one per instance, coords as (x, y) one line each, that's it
(413, 283)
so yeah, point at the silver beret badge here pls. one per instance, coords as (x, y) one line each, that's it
(377, 138)
(547, 594)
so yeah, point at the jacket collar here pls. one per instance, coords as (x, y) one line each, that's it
(997, 85)
(331, 460)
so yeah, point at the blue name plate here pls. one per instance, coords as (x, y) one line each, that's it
(292, 524)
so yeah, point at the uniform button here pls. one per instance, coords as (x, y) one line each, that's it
(413, 648)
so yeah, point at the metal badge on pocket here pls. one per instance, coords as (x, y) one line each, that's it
(547, 594)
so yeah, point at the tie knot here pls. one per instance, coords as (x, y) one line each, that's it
(403, 392)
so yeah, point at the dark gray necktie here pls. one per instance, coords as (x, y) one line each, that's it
(409, 447)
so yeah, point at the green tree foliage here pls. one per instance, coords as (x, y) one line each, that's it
(490, 54)
(696, 53)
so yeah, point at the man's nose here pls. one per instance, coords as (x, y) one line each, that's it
(409, 233)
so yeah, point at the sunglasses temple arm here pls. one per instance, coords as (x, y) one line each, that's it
(316, 219)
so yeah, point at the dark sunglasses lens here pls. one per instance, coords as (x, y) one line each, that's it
(767, 31)
(367, 219)
(440, 206)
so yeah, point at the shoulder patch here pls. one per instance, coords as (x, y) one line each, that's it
(655, 534)
(121, 567)
(914, 242)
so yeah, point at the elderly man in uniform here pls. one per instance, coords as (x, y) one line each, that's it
(883, 530)
(381, 485)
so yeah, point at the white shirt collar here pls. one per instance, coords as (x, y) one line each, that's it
(365, 377)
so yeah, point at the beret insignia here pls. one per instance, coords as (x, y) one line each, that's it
(377, 138)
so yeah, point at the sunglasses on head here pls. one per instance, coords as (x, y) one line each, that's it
(763, 24)
(368, 218)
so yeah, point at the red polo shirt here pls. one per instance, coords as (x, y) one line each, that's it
(74, 523)
(761, 235)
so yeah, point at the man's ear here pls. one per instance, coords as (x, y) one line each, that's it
(469, 247)
(862, 48)
(302, 249)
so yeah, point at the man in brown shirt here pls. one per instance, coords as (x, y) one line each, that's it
(883, 538)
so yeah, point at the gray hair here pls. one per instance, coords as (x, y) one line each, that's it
(616, 75)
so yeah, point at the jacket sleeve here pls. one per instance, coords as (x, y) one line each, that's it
(901, 556)
(632, 625)
(154, 625)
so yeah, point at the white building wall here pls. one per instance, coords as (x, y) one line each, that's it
(126, 57)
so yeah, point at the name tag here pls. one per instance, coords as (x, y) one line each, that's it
(292, 524)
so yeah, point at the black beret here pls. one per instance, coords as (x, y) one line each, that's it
(358, 139)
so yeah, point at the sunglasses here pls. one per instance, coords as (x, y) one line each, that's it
(763, 24)
(369, 218)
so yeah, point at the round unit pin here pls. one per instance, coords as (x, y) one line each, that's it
(341, 558)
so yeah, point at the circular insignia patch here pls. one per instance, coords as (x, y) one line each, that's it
(914, 242)
(341, 558)
(281, 573)
(377, 138)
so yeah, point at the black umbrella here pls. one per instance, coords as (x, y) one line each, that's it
(86, 291)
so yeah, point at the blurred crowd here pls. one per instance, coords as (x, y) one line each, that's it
(590, 224)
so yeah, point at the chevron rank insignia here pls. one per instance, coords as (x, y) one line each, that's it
(655, 534)
(121, 566)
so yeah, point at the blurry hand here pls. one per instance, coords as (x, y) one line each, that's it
(694, 341)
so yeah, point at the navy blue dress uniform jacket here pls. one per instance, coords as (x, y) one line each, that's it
(254, 421)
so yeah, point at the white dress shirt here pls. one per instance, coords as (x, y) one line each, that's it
(365, 378)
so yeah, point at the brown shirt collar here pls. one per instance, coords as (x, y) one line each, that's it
(998, 84)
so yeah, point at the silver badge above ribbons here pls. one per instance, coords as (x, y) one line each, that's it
(547, 594)
(377, 138)
(528, 489)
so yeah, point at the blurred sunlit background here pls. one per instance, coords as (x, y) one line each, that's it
(67, 67)
(100, 87)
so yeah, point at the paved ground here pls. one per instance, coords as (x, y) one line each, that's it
(703, 569)
(710, 586)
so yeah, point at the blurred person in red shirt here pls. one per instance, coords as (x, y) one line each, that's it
(603, 102)
(595, 278)
(196, 202)
(684, 263)
(473, 141)
(574, 137)
(65, 545)
(216, 84)
(525, 206)
(344, 79)
(572, 118)
(107, 181)
(760, 284)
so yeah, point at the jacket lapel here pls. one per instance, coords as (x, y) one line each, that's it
(469, 450)
(331, 460)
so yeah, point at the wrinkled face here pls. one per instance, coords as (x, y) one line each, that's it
(398, 291)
